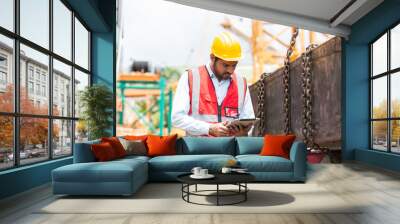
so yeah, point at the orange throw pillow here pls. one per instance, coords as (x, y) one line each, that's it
(116, 145)
(277, 145)
(161, 145)
(136, 138)
(103, 151)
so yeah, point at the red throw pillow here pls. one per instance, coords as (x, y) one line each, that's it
(161, 145)
(116, 145)
(103, 151)
(277, 145)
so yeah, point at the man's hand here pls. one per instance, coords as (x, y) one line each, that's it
(218, 130)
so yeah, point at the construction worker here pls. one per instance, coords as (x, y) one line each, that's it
(210, 96)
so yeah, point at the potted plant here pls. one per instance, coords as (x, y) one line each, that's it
(96, 103)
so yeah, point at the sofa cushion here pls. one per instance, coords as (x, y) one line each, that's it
(116, 145)
(103, 152)
(277, 145)
(131, 158)
(249, 145)
(206, 145)
(185, 163)
(83, 153)
(161, 145)
(111, 171)
(257, 163)
(134, 147)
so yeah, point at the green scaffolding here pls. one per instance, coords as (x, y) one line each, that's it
(160, 85)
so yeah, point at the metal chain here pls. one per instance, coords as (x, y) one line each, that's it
(260, 103)
(307, 97)
(286, 82)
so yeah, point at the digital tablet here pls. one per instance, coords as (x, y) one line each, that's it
(243, 122)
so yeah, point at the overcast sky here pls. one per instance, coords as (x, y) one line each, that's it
(166, 33)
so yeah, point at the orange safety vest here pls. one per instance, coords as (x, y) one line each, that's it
(203, 98)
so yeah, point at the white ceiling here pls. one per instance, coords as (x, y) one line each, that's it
(321, 9)
(316, 15)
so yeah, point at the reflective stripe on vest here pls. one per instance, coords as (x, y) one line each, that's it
(203, 101)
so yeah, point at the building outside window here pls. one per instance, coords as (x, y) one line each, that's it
(385, 91)
(59, 125)
(37, 75)
(3, 78)
(3, 72)
(30, 87)
(38, 89)
(43, 77)
(43, 90)
(30, 72)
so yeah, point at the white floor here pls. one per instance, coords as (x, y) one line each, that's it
(377, 189)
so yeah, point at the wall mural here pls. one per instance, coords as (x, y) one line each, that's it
(325, 90)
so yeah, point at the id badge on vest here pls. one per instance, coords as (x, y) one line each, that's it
(232, 112)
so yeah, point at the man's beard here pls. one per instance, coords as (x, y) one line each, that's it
(224, 76)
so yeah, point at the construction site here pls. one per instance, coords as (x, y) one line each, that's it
(310, 60)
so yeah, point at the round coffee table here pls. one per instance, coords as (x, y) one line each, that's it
(238, 179)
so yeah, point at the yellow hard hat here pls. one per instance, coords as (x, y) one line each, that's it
(226, 47)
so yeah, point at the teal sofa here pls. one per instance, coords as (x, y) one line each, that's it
(125, 176)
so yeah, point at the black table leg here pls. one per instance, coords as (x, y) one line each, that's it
(217, 194)
(245, 193)
(188, 190)
(196, 188)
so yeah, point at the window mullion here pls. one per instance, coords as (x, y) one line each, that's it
(73, 82)
(389, 113)
(50, 81)
(16, 84)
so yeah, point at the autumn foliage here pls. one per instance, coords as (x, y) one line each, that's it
(33, 131)
(380, 127)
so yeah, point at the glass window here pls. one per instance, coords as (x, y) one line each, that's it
(6, 142)
(44, 91)
(34, 21)
(379, 133)
(3, 61)
(62, 72)
(81, 82)
(37, 89)
(7, 14)
(40, 62)
(81, 131)
(385, 125)
(395, 136)
(30, 72)
(379, 97)
(62, 29)
(395, 95)
(395, 47)
(379, 56)
(62, 137)
(30, 87)
(33, 139)
(81, 45)
(3, 78)
(6, 73)
(34, 80)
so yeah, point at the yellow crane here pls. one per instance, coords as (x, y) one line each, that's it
(262, 44)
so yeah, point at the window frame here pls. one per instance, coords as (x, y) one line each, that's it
(16, 114)
(388, 74)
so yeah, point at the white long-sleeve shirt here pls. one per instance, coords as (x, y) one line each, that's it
(181, 105)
